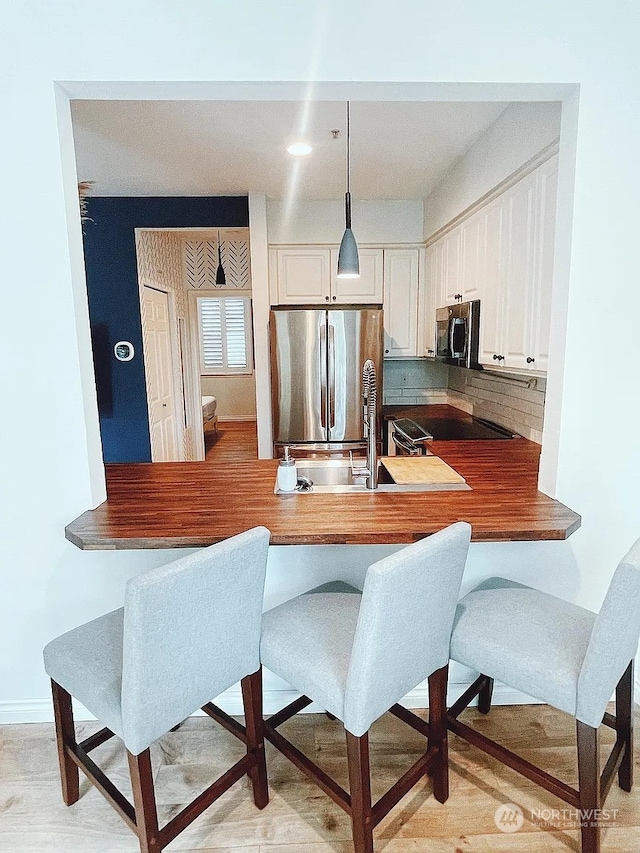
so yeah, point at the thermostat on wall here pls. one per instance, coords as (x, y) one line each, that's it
(124, 351)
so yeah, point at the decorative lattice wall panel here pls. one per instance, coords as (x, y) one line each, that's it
(201, 261)
(160, 263)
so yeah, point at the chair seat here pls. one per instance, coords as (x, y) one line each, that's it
(87, 662)
(308, 641)
(534, 642)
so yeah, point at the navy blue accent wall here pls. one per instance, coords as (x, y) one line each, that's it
(114, 306)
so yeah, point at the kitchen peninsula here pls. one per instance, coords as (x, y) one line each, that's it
(180, 505)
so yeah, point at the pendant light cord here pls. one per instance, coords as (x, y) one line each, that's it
(348, 194)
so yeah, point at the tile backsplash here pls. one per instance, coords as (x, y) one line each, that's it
(516, 402)
(414, 381)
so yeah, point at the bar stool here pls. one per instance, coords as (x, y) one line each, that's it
(565, 656)
(357, 655)
(187, 632)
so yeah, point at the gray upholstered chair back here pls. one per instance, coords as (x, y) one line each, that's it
(191, 630)
(614, 640)
(404, 624)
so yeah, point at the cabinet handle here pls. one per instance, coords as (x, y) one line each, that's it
(458, 296)
(530, 360)
(327, 298)
(386, 351)
(429, 350)
(334, 298)
(498, 357)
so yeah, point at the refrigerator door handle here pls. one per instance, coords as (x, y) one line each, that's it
(323, 376)
(331, 376)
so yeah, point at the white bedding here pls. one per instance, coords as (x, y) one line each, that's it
(208, 407)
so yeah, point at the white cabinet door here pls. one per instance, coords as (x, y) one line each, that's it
(492, 303)
(400, 302)
(546, 190)
(434, 263)
(472, 256)
(304, 275)
(520, 233)
(452, 267)
(358, 291)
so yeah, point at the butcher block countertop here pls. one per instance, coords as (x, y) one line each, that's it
(192, 504)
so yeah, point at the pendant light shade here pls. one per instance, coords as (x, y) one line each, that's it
(221, 278)
(348, 262)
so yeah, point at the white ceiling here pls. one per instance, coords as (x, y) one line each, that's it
(399, 150)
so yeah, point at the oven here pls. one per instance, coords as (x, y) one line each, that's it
(407, 438)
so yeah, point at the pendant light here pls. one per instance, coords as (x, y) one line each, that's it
(221, 279)
(348, 262)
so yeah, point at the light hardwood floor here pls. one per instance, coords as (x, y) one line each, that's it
(299, 817)
(235, 441)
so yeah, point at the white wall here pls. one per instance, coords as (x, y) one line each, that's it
(323, 221)
(236, 395)
(516, 136)
(51, 471)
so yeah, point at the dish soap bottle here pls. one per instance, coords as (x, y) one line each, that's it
(287, 474)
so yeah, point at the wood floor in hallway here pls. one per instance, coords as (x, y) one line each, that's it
(235, 441)
(299, 817)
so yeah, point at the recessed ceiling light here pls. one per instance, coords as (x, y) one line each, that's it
(300, 149)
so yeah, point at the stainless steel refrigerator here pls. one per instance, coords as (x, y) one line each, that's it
(317, 357)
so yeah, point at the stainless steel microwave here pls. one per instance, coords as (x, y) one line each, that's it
(457, 334)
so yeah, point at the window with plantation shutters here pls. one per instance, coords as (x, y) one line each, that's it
(225, 334)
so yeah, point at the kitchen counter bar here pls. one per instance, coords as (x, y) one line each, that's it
(193, 504)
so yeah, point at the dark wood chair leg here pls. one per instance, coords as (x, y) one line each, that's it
(485, 695)
(589, 786)
(438, 733)
(360, 789)
(144, 801)
(252, 698)
(65, 734)
(624, 727)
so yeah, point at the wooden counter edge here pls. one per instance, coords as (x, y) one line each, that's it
(90, 543)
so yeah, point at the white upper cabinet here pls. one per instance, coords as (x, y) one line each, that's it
(472, 247)
(547, 188)
(401, 302)
(432, 296)
(519, 262)
(364, 290)
(306, 275)
(452, 257)
(303, 275)
(503, 255)
(492, 311)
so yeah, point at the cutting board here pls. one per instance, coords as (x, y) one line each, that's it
(407, 470)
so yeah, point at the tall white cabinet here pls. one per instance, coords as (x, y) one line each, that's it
(400, 302)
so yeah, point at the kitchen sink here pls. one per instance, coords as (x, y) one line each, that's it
(335, 476)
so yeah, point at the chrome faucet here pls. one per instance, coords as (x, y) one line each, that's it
(370, 396)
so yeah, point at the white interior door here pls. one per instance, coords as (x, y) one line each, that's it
(159, 374)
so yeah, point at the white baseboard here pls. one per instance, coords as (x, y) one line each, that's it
(224, 418)
(41, 711)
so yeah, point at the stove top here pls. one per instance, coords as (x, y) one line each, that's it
(453, 429)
